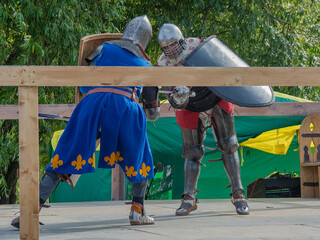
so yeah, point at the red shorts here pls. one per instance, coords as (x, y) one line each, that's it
(189, 120)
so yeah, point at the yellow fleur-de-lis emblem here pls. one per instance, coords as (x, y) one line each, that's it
(55, 162)
(92, 160)
(130, 171)
(79, 162)
(144, 170)
(113, 158)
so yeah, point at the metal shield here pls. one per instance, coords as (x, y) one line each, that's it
(213, 53)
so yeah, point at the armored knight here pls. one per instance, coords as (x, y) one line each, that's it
(198, 106)
(106, 114)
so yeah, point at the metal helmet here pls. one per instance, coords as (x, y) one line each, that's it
(139, 30)
(171, 40)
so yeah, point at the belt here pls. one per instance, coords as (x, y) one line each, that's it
(132, 95)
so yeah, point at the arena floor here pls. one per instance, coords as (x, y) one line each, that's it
(285, 218)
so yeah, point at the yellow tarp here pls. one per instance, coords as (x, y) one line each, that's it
(275, 141)
(55, 139)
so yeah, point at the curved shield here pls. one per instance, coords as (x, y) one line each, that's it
(213, 53)
(87, 44)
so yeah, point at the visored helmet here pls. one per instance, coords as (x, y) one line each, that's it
(171, 40)
(139, 30)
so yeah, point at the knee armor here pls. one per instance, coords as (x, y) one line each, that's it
(193, 152)
(229, 145)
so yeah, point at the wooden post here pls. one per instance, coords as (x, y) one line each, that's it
(29, 162)
(318, 181)
(117, 184)
(309, 160)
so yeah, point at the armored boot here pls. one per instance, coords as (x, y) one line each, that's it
(16, 222)
(232, 167)
(48, 184)
(137, 215)
(239, 201)
(189, 200)
(188, 204)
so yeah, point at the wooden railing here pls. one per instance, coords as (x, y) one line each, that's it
(64, 111)
(29, 78)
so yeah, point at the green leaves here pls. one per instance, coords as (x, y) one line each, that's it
(263, 33)
(9, 153)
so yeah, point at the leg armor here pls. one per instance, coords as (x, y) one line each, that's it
(227, 142)
(138, 191)
(48, 184)
(193, 152)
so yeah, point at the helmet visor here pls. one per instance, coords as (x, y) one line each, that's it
(172, 50)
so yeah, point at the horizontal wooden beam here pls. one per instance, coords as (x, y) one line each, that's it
(64, 111)
(59, 111)
(157, 76)
(281, 109)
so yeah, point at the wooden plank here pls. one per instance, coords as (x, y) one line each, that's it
(151, 76)
(318, 181)
(117, 184)
(277, 109)
(306, 173)
(16, 74)
(315, 180)
(9, 112)
(316, 153)
(311, 164)
(307, 176)
(305, 153)
(59, 110)
(308, 159)
(281, 109)
(29, 162)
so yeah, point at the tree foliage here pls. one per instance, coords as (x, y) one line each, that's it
(263, 33)
(44, 33)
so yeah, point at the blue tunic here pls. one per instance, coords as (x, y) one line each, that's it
(121, 121)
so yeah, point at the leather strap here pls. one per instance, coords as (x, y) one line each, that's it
(139, 46)
(65, 178)
(132, 95)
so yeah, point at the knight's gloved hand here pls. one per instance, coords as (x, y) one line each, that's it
(151, 103)
(179, 98)
(152, 114)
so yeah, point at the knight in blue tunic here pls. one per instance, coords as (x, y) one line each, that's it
(120, 120)
(113, 116)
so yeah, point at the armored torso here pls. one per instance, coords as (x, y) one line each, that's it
(204, 98)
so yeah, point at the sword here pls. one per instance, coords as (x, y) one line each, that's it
(192, 94)
(54, 116)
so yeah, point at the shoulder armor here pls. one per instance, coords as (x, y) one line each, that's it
(95, 52)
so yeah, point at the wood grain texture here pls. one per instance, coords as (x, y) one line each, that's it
(117, 184)
(157, 76)
(277, 109)
(29, 162)
(309, 160)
